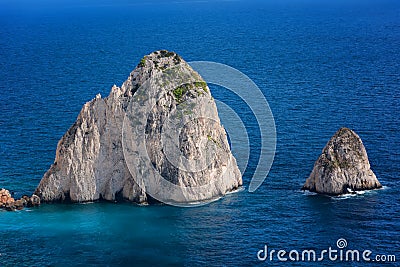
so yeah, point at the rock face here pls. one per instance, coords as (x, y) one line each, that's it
(343, 167)
(91, 158)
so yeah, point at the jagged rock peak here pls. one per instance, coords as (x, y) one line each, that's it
(149, 65)
(343, 167)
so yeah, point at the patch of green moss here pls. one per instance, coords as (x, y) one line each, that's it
(203, 85)
(180, 91)
(142, 62)
(210, 138)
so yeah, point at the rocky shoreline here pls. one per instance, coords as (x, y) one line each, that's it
(8, 202)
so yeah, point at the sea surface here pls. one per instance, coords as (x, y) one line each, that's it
(320, 66)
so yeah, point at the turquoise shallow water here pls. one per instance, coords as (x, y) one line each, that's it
(320, 67)
(227, 232)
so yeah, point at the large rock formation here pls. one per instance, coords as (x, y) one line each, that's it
(122, 141)
(343, 167)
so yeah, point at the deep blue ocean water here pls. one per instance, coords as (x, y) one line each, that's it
(320, 66)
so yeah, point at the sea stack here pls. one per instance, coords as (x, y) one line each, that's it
(104, 155)
(343, 167)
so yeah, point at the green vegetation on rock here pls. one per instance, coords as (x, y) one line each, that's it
(203, 85)
(210, 138)
(142, 62)
(180, 91)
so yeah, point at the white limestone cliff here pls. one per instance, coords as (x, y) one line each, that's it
(91, 163)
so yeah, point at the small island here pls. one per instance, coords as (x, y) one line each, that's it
(343, 167)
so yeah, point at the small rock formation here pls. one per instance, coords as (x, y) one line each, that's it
(343, 167)
(8, 203)
(90, 163)
(5, 198)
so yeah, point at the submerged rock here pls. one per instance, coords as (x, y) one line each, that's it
(343, 167)
(33, 201)
(8, 203)
(91, 161)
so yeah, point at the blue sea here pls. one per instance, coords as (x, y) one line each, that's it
(320, 64)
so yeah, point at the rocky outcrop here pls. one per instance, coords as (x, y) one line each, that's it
(120, 146)
(5, 198)
(343, 167)
(7, 202)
